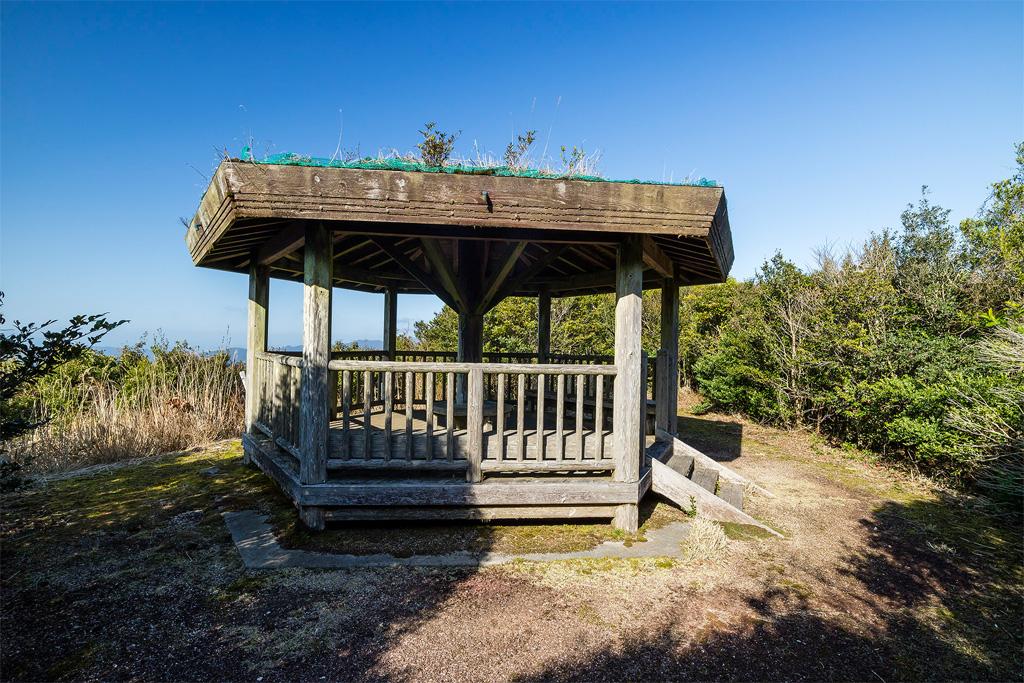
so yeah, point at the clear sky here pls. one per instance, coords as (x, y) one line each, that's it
(822, 120)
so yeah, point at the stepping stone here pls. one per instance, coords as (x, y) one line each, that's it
(731, 492)
(705, 478)
(683, 464)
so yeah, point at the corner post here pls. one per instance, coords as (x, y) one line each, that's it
(667, 398)
(543, 325)
(629, 379)
(256, 338)
(390, 322)
(316, 353)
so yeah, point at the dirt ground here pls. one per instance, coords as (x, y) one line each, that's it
(128, 573)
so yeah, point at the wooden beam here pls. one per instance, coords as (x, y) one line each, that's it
(285, 242)
(519, 279)
(316, 354)
(655, 258)
(493, 286)
(428, 280)
(443, 272)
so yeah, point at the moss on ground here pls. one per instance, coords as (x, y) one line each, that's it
(426, 538)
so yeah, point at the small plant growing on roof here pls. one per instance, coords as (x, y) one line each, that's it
(515, 153)
(576, 162)
(437, 146)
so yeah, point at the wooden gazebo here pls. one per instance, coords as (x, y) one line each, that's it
(434, 435)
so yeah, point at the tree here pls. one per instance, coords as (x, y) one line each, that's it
(32, 351)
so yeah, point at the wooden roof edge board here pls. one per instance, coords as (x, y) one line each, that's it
(567, 198)
(580, 212)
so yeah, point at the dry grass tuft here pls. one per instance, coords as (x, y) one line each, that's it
(706, 541)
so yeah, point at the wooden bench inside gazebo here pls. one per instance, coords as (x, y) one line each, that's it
(458, 435)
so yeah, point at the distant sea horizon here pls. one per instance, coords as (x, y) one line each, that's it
(237, 353)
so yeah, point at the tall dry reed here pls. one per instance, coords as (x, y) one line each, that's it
(177, 401)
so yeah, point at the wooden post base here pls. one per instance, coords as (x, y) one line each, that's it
(627, 518)
(313, 517)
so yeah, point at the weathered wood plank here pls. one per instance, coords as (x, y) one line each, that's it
(409, 386)
(513, 492)
(429, 395)
(482, 513)
(346, 413)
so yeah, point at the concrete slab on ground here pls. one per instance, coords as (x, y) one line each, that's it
(260, 549)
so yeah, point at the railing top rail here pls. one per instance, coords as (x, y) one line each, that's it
(509, 368)
(283, 359)
(419, 353)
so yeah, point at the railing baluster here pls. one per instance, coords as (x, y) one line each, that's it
(499, 418)
(579, 417)
(540, 417)
(346, 400)
(409, 386)
(475, 424)
(560, 417)
(449, 418)
(599, 417)
(367, 426)
(389, 388)
(429, 396)
(521, 417)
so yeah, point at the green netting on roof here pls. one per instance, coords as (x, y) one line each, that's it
(399, 164)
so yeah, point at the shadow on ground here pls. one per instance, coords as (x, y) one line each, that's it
(719, 439)
(131, 575)
(942, 600)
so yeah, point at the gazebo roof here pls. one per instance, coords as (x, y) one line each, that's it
(401, 229)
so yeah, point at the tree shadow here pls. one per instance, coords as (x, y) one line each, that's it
(934, 605)
(718, 439)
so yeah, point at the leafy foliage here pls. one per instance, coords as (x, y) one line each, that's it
(515, 153)
(437, 146)
(33, 351)
(30, 352)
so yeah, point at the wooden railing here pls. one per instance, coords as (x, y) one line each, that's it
(507, 421)
(481, 417)
(277, 380)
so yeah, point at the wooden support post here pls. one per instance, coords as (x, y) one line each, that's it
(628, 406)
(543, 325)
(667, 384)
(470, 349)
(390, 322)
(316, 352)
(256, 338)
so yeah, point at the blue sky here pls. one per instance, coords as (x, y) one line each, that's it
(822, 120)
